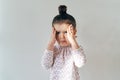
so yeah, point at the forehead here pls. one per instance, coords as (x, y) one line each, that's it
(61, 27)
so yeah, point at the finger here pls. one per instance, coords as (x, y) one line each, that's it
(70, 29)
(55, 36)
(54, 32)
(68, 32)
(52, 29)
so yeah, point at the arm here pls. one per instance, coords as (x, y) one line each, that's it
(47, 59)
(77, 51)
(79, 57)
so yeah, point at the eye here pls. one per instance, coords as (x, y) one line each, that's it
(65, 32)
(57, 32)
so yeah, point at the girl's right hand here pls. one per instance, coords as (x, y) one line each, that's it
(53, 36)
(52, 39)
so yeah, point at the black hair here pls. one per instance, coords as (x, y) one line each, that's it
(64, 17)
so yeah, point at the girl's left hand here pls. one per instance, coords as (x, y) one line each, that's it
(70, 34)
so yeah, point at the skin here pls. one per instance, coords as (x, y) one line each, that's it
(64, 34)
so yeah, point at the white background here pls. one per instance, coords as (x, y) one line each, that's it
(25, 27)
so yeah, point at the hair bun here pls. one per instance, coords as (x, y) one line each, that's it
(62, 9)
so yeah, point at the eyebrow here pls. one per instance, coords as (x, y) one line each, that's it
(61, 31)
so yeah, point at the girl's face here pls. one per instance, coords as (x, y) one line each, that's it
(61, 34)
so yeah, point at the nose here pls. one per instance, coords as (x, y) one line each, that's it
(62, 35)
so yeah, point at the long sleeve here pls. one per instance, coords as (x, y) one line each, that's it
(47, 59)
(79, 57)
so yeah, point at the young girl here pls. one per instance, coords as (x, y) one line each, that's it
(64, 58)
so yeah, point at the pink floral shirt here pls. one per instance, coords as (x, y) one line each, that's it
(63, 62)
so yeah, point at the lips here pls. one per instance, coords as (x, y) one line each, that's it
(63, 41)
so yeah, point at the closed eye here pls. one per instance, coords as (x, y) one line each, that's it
(57, 32)
(65, 32)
